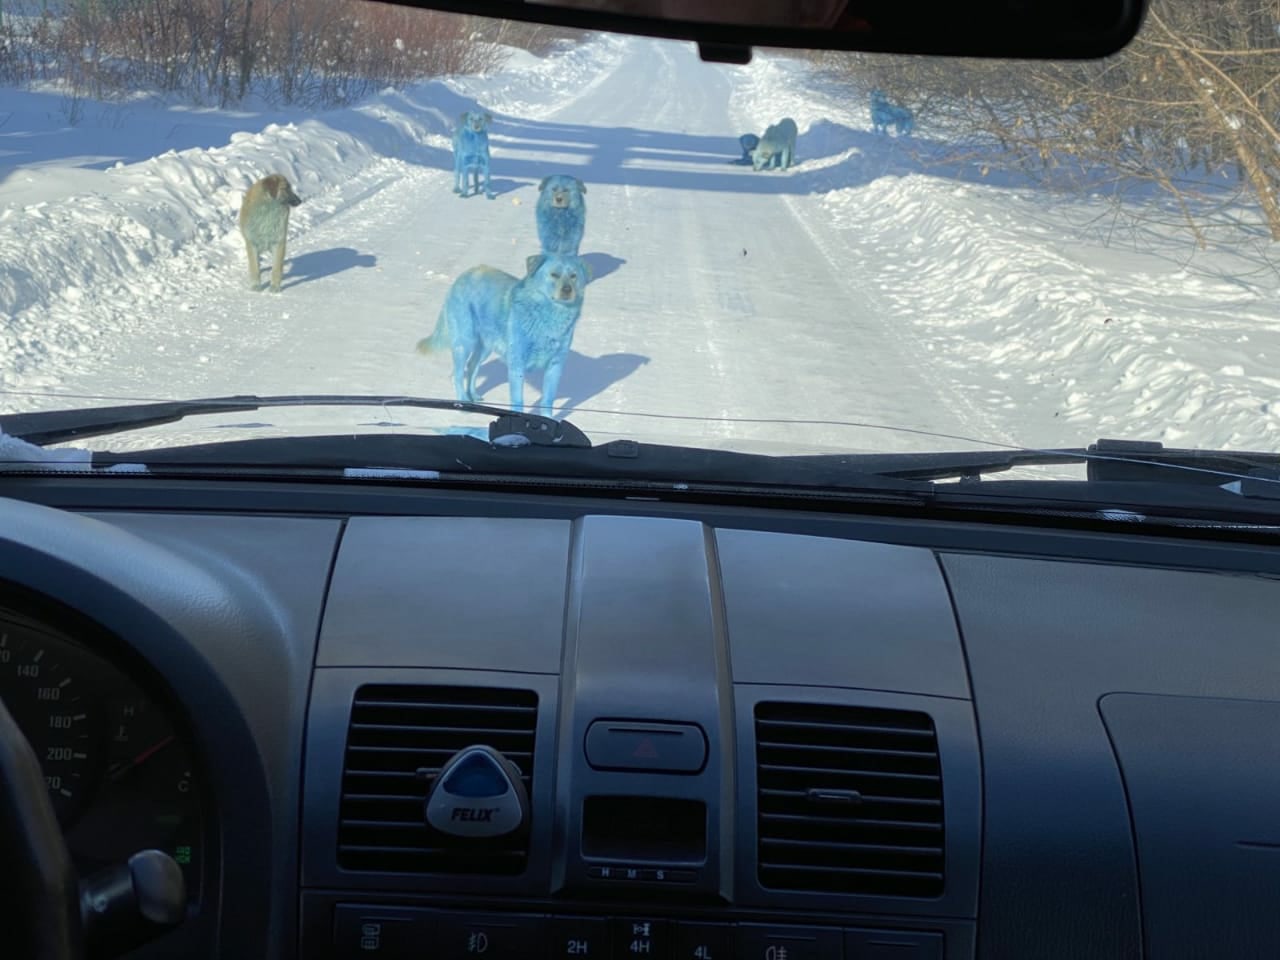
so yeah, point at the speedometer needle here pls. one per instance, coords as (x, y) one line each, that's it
(121, 769)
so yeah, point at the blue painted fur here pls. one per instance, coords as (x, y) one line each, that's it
(528, 322)
(748, 142)
(471, 153)
(561, 214)
(885, 115)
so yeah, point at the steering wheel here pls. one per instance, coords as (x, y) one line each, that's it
(40, 911)
(46, 912)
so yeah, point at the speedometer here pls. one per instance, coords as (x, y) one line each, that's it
(119, 773)
(46, 701)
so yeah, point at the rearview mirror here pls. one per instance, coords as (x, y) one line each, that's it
(728, 29)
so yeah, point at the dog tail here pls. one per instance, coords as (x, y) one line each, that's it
(437, 339)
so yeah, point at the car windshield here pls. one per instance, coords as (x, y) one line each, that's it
(810, 253)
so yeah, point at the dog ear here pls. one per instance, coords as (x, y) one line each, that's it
(532, 263)
(488, 118)
(543, 185)
(582, 187)
(587, 275)
(272, 185)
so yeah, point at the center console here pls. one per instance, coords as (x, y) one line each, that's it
(726, 743)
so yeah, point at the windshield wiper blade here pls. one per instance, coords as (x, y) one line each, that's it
(1143, 460)
(61, 426)
(617, 462)
(966, 465)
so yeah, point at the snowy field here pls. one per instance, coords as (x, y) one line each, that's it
(806, 310)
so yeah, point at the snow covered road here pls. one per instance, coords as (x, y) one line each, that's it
(864, 285)
(711, 297)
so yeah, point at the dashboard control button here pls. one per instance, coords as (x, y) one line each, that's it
(758, 942)
(892, 945)
(578, 938)
(703, 941)
(490, 937)
(655, 747)
(641, 939)
(373, 933)
(665, 875)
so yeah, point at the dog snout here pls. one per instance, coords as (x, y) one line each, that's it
(567, 291)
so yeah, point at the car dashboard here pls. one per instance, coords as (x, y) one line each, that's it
(761, 734)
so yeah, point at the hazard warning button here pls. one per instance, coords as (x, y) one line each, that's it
(653, 747)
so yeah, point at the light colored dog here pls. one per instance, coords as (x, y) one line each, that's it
(561, 214)
(777, 148)
(471, 153)
(527, 322)
(264, 224)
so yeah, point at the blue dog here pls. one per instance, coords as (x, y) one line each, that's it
(748, 142)
(885, 114)
(561, 214)
(527, 322)
(777, 148)
(471, 152)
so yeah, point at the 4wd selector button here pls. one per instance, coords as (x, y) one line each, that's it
(579, 938)
(641, 939)
(485, 937)
(703, 941)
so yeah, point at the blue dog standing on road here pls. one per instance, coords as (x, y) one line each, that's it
(885, 114)
(471, 153)
(561, 213)
(527, 322)
(748, 142)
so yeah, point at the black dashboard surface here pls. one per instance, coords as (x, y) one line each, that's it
(752, 734)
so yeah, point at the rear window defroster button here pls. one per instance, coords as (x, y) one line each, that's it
(760, 942)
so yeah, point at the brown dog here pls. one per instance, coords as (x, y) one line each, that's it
(264, 224)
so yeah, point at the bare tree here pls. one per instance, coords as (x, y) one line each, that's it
(1188, 108)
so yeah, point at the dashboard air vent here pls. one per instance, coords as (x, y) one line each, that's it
(399, 738)
(849, 800)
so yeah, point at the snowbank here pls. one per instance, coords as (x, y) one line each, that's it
(70, 231)
(1054, 332)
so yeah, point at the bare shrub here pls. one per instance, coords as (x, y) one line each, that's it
(1188, 109)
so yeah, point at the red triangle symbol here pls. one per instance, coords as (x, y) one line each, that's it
(645, 750)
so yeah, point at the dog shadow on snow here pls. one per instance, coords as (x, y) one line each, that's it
(584, 377)
(829, 156)
(325, 263)
(601, 264)
(500, 186)
(524, 151)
